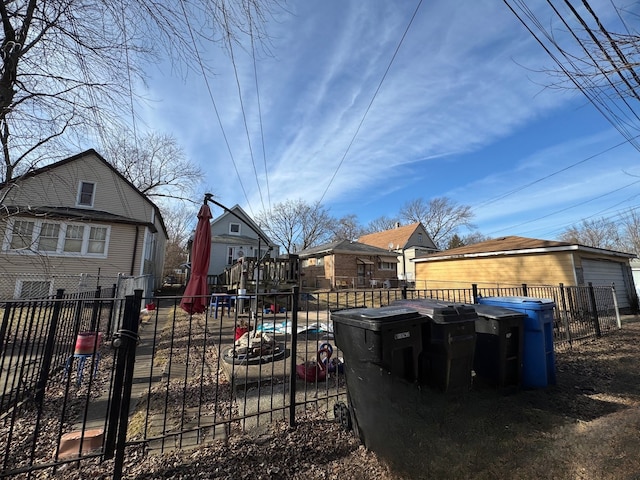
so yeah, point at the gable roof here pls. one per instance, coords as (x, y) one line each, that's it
(344, 247)
(399, 237)
(79, 156)
(237, 212)
(514, 245)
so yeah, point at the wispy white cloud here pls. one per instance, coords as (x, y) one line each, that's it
(457, 86)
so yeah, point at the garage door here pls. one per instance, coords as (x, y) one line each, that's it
(603, 273)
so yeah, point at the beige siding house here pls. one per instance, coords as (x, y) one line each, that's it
(407, 242)
(347, 264)
(76, 217)
(512, 261)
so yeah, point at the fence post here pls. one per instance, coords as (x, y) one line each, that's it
(294, 355)
(594, 309)
(112, 304)
(404, 291)
(43, 377)
(524, 290)
(96, 308)
(615, 305)
(125, 342)
(474, 292)
(565, 316)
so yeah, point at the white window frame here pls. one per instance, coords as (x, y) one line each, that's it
(232, 253)
(21, 281)
(231, 225)
(79, 196)
(62, 231)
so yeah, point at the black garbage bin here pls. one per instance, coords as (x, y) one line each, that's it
(381, 348)
(448, 343)
(538, 358)
(499, 346)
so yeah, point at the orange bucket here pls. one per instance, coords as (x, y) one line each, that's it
(86, 343)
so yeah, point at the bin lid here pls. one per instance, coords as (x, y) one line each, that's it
(375, 318)
(518, 302)
(440, 311)
(495, 312)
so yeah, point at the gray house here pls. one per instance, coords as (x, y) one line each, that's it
(235, 235)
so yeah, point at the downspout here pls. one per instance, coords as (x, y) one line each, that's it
(135, 250)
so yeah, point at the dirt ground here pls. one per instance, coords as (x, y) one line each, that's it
(586, 427)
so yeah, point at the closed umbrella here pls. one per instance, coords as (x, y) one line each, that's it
(194, 299)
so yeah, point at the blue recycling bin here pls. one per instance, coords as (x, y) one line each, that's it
(538, 358)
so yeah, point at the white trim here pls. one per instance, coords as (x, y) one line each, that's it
(79, 192)
(21, 281)
(239, 232)
(526, 251)
(61, 239)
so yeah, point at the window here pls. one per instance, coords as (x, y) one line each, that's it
(320, 261)
(420, 238)
(21, 236)
(234, 253)
(56, 238)
(73, 238)
(86, 193)
(386, 266)
(34, 289)
(48, 240)
(234, 228)
(97, 240)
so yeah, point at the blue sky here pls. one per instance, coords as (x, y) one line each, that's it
(462, 112)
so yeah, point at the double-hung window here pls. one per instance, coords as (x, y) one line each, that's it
(22, 235)
(86, 192)
(56, 238)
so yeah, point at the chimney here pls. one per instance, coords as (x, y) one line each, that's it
(397, 224)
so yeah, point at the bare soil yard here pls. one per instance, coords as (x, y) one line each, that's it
(586, 427)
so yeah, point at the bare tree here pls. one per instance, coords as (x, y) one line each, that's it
(346, 228)
(630, 232)
(296, 225)
(381, 224)
(156, 165)
(598, 233)
(67, 67)
(599, 60)
(180, 223)
(441, 217)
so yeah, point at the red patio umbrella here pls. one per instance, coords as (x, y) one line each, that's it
(195, 297)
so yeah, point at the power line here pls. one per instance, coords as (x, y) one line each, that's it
(255, 75)
(244, 115)
(215, 107)
(566, 208)
(546, 177)
(375, 94)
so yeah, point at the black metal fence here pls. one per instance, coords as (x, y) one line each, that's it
(162, 379)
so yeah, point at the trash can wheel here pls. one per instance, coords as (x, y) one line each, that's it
(342, 415)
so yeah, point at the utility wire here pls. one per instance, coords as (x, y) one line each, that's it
(244, 115)
(546, 177)
(255, 74)
(566, 208)
(592, 97)
(215, 107)
(375, 94)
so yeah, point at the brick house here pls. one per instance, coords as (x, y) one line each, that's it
(347, 264)
(406, 242)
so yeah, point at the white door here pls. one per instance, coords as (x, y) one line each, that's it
(603, 273)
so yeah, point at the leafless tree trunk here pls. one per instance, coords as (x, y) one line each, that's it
(296, 225)
(441, 217)
(68, 67)
(156, 165)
